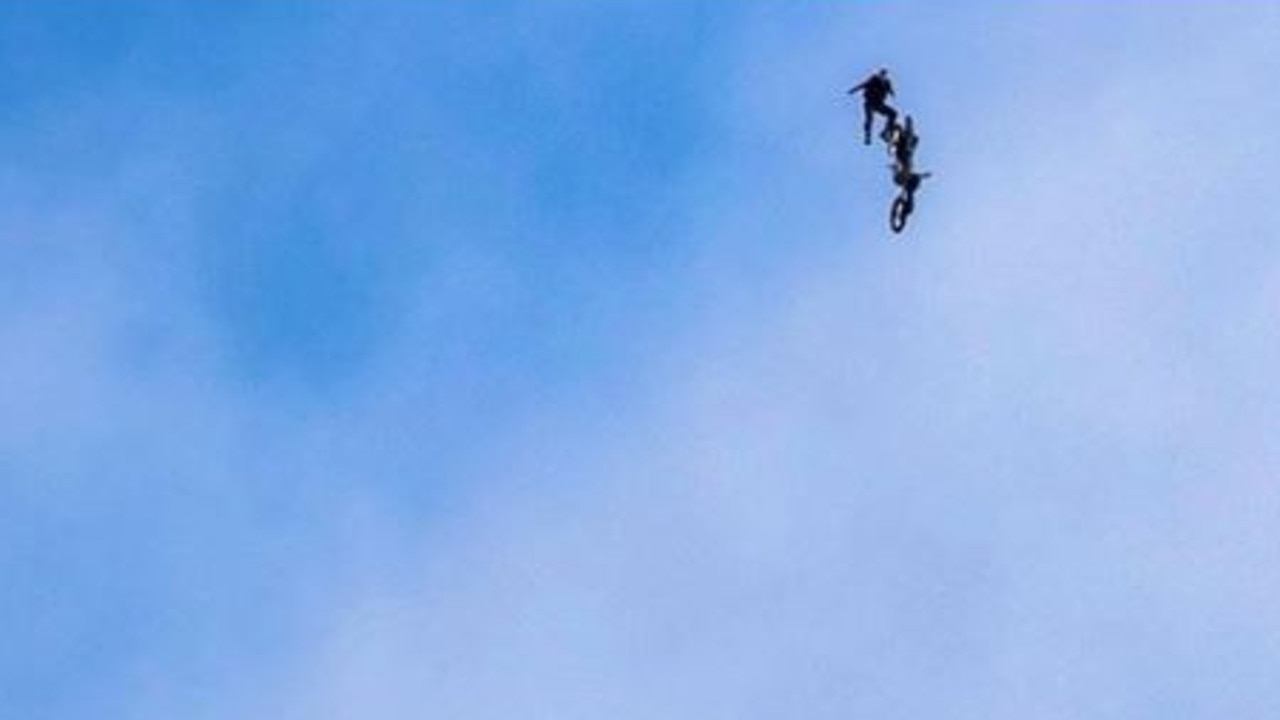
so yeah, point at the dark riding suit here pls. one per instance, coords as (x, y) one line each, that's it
(875, 92)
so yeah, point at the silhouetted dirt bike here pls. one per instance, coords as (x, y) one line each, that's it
(901, 209)
(905, 203)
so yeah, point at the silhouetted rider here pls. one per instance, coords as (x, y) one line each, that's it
(876, 90)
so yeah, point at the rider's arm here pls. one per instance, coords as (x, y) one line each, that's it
(857, 87)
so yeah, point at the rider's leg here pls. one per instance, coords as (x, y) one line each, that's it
(868, 115)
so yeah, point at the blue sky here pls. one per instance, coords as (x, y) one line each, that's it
(551, 359)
